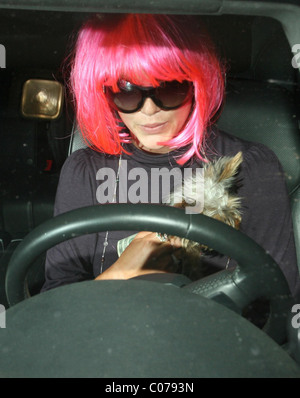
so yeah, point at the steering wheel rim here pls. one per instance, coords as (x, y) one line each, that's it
(243, 285)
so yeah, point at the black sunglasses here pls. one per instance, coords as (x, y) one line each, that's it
(167, 96)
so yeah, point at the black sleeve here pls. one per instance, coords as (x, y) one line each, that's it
(71, 261)
(266, 210)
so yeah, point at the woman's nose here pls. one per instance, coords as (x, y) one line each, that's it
(149, 107)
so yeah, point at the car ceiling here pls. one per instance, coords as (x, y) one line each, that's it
(157, 6)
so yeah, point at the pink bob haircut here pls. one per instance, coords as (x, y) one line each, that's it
(139, 48)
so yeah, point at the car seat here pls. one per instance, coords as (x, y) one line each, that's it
(266, 113)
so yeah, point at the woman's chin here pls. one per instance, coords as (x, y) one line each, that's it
(153, 148)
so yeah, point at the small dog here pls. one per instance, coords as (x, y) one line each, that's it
(220, 202)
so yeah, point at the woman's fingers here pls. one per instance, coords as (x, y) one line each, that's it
(158, 237)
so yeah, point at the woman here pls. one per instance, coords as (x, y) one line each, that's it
(147, 89)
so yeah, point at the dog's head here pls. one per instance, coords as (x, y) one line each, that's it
(219, 191)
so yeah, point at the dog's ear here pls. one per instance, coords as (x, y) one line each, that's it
(230, 168)
(220, 200)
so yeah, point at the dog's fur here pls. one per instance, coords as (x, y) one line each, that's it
(220, 202)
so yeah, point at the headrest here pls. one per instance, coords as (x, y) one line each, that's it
(266, 113)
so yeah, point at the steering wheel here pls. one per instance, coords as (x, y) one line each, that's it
(256, 276)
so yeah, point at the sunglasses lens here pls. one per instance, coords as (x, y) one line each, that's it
(172, 94)
(128, 99)
(169, 95)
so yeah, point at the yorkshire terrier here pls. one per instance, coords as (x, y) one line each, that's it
(220, 202)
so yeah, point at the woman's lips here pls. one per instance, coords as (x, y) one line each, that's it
(154, 127)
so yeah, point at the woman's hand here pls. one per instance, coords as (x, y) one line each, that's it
(145, 254)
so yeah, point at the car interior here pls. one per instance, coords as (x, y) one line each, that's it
(262, 104)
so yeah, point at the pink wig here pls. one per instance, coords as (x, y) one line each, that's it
(144, 47)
